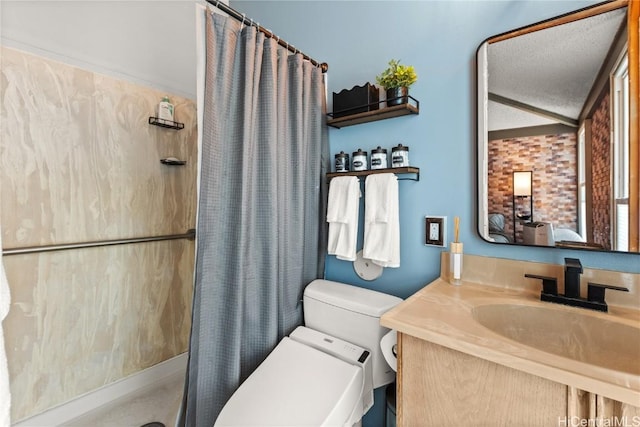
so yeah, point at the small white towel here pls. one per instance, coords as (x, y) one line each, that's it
(382, 220)
(342, 215)
(5, 394)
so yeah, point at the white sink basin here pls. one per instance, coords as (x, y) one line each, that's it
(583, 337)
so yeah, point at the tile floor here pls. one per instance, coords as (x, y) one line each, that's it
(160, 403)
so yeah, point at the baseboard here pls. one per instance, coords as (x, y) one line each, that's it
(102, 396)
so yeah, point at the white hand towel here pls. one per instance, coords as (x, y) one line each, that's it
(342, 215)
(382, 220)
(376, 208)
(5, 394)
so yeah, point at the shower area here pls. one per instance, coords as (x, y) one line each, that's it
(99, 231)
(95, 236)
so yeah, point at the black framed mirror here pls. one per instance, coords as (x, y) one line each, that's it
(557, 140)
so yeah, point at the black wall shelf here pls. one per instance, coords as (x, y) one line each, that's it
(406, 170)
(165, 123)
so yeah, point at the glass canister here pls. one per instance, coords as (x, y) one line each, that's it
(342, 162)
(359, 160)
(379, 158)
(400, 156)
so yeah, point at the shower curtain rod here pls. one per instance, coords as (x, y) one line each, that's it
(242, 18)
(190, 234)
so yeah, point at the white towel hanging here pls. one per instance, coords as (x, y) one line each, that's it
(382, 220)
(5, 393)
(342, 215)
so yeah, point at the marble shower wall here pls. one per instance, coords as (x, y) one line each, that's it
(80, 163)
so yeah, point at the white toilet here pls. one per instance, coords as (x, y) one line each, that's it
(323, 373)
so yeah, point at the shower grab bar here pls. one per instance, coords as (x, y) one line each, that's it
(190, 234)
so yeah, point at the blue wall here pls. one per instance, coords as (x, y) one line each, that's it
(440, 39)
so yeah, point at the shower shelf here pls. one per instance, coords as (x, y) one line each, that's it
(173, 162)
(166, 123)
(407, 170)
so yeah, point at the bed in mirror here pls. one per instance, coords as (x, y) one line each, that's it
(557, 140)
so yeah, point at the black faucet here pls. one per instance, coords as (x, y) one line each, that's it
(572, 271)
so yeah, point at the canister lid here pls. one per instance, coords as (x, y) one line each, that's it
(360, 153)
(400, 147)
(379, 150)
(341, 154)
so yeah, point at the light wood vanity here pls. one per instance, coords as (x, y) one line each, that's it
(453, 371)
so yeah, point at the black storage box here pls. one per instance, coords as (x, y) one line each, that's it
(359, 99)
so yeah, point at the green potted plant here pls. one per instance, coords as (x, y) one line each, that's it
(396, 79)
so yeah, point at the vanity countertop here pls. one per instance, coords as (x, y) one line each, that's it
(443, 314)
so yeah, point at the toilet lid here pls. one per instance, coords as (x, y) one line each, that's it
(296, 385)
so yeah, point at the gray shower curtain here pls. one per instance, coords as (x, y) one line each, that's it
(261, 230)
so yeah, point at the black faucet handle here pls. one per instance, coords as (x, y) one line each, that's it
(573, 264)
(549, 284)
(595, 291)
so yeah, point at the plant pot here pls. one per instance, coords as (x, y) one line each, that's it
(397, 96)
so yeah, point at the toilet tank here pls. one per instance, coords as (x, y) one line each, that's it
(352, 314)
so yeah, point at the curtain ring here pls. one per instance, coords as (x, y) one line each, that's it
(212, 5)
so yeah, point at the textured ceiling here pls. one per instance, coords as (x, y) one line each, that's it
(551, 69)
(504, 117)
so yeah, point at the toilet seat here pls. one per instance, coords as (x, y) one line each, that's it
(296, 385)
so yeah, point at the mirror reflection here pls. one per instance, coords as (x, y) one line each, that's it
(554, 134)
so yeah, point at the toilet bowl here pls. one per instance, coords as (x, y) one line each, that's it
(323, 373)
(301, 385)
